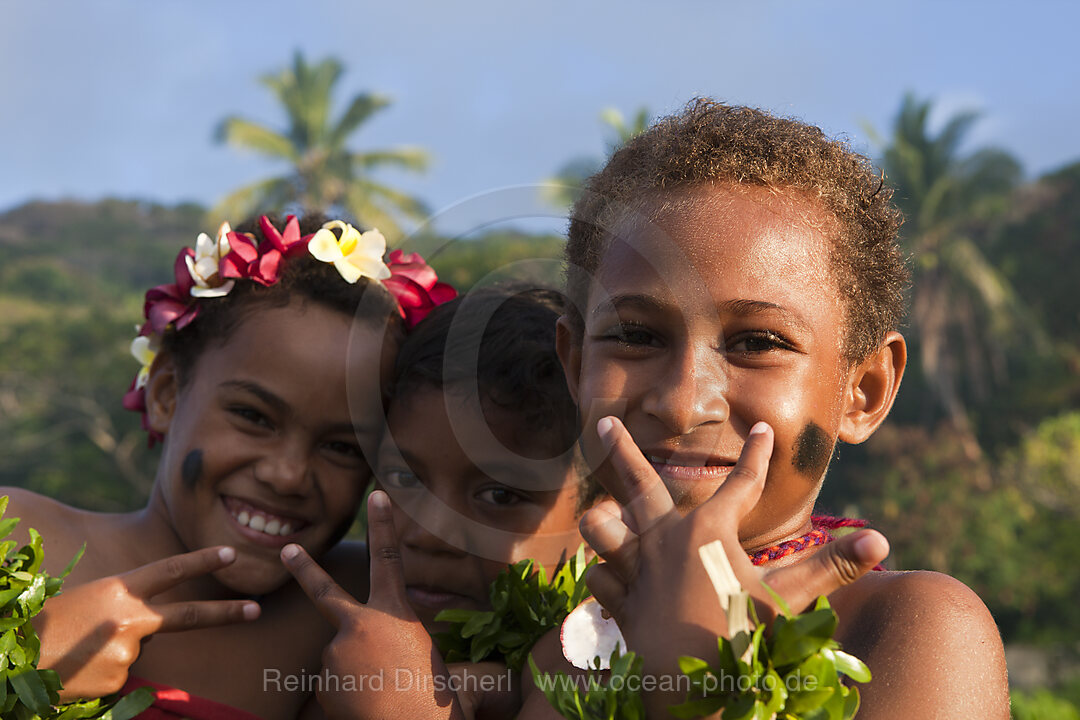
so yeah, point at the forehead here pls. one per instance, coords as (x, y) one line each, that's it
(310, 356)
(724, 242)
(458, 436)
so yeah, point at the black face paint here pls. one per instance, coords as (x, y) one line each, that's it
(191, 469)
(813, 450)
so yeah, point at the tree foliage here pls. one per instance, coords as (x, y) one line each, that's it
(325, 174)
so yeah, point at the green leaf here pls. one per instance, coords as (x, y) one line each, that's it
(131, 705)
(31, 691)
(850, 665)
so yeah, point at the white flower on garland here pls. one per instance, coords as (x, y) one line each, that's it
(355, 255)
(204, 267)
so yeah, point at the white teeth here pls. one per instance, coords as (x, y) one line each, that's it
(271, 526)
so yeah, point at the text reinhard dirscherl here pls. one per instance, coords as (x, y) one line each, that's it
(396, 680)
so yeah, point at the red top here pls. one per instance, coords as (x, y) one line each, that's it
(172, 704)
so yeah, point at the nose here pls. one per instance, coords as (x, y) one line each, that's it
(429, 526)
(287, 469)
(690, 392)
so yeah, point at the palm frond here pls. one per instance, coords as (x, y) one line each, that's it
(408, 158)
(272, 195)
(249, 135)
(360, 110)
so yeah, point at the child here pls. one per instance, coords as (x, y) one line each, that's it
(736, 288)
(481, 462)
(266, 394)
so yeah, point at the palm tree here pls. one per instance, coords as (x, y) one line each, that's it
(564, 188)
(964, 311)
(326, 175)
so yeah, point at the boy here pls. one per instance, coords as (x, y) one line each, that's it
(480, 459)
(736, 288)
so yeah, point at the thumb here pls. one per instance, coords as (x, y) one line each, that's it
(837, 564)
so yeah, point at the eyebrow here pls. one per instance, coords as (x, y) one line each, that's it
(629, 302)
(738, 308)
(279, 405)
(745, 308)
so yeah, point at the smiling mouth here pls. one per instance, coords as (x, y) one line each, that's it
(261, 521)
(709, 470)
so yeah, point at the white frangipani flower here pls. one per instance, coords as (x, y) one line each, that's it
(355, 255)
(204, 267)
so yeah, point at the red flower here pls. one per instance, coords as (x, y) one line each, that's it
(171, 304)
(416, 286)
(263, 263)
(135, 400)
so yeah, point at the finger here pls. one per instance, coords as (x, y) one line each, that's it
(178, 617)
(161, 575)
(387, 577)
(608, 589)
(603, 528)
(635, 484)
(738, 494)
(332, 602)
(838, 563)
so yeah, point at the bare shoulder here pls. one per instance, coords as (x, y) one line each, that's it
(63, 527)
(348, 563)
(931, 644)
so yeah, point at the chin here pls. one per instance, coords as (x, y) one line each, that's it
(251, 579)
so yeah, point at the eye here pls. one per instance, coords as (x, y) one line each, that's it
(345, 449)
(758, 341)
(632, 335)
(399, 478)
(251, 415)
(500, 496)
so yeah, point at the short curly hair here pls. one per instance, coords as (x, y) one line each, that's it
(302, 277)
(713, 142)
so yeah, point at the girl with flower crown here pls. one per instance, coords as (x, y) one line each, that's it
(262, 373)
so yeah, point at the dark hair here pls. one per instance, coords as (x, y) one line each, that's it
(301, 277)
(503, 340)
(709, 142)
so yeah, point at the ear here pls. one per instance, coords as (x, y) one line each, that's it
(871, 389)
(162, 393)
(568, 348)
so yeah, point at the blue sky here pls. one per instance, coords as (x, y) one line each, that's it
(121, 98)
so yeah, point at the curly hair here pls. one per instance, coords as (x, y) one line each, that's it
(301, 277)
(713, 142)
(503, 340)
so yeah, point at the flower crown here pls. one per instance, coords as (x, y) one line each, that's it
(212, 267)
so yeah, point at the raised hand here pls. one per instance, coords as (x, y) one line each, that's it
(92, 633)
(653, 582)
(382, 663)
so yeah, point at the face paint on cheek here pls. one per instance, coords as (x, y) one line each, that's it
(191, 469)
(813, 450)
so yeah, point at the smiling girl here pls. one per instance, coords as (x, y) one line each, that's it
(264, 364)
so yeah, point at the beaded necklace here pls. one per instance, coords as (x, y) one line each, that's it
(818, 536)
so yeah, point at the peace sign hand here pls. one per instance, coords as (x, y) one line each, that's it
(92, 633)
(382, 663)
(653, 581)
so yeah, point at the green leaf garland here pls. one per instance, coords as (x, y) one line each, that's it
(27, 693)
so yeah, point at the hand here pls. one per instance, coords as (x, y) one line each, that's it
(653, 581)
(382, 664)
(92, 633)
